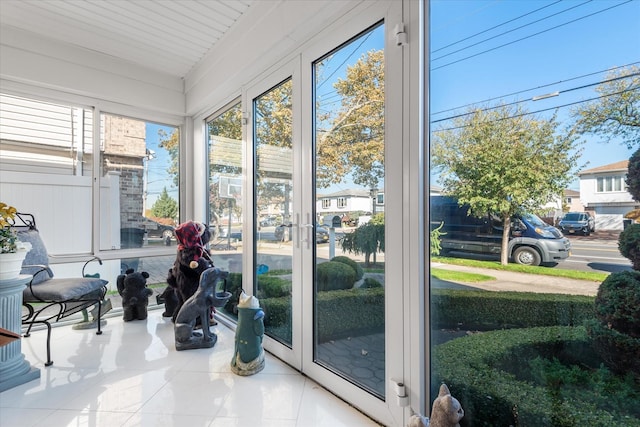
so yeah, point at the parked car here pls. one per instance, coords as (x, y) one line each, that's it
(268, 221)
(283, 233)
(573, 222)
(156, 230)
(322, 234)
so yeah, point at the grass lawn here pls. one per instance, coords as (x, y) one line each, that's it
(544, 271)
(459, 276)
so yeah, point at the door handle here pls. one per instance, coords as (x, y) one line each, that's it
(305, 237)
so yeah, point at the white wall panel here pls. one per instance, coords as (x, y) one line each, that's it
(28, 59)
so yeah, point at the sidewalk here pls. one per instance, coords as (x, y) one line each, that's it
(519, 282)
(598, 235)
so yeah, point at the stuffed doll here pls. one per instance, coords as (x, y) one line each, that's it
(445, 412)
(248, 357)
(192, 258)
(132, 287)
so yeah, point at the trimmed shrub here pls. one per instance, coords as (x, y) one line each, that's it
(348, 313)
(272, 287)
(331, 276)
(277, 311)
(340, 314)
(498, 380)
(616, 332)
(629, 244)
(370, 283)
(341, 258)
(484, 310)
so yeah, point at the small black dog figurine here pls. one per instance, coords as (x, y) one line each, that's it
(198, 306)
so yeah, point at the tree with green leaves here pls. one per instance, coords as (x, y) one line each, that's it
(633, 184)
(350, 140)
(503, 160)
(616, 112)
(633, 176)
(435, 240)
(368, 239)
(165, 206)
(171, 143)
(353, 142)
(351, 137)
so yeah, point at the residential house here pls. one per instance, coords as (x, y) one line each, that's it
(603, 193)
(572, 201)
(554, 210)
(349, 203)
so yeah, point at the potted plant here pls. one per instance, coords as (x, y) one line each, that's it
(12, 250)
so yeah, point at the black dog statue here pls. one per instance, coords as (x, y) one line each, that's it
(198, 306)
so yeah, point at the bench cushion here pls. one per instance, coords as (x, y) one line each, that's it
(63, 289)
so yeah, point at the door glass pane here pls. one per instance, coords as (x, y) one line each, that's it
(225, 197)
(349, 229)
(273, 189)
(512, 131)
(139, 191)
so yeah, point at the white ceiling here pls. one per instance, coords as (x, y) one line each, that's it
(168, 36)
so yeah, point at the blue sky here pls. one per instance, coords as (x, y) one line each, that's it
(157, 175)
(481, 50)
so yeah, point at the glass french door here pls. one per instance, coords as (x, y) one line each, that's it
(274, 222)
(349, 171)
(273, 125)
(318, 178)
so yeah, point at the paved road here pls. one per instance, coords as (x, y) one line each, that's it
(597, 252)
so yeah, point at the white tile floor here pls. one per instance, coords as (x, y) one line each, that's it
(131, 375)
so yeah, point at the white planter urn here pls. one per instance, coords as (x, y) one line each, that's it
(11, 263)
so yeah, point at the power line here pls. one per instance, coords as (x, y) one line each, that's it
(529, 36)
(510, 31)
(494, 27)
(355, 49)
(527, 100)
(535, 88)
(545, 109)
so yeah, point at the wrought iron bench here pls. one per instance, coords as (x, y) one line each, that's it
(48, 299)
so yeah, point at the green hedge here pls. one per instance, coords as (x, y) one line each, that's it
(488, 373)
(273, 286)
(340, 314)
(351, 312)
(277, 314)
(484, 310)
